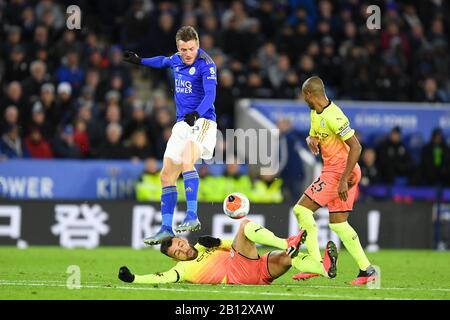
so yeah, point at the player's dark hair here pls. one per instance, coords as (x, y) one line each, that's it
(186, 33)
(165, 245)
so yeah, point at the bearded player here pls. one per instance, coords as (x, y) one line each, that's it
(213, 261)
(337, 186)
(194, 135)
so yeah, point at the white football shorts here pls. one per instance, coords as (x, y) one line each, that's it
(203, 133)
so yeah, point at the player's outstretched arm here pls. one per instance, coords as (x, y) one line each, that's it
(170, 276)
(209, 242)
(155, 62)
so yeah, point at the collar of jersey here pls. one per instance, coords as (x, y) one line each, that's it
(329, 104)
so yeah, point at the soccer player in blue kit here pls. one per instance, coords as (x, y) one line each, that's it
(194, 135)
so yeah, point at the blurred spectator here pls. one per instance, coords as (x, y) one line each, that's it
(139, 120)
(71, 71)
(11, 145)
(225, 100)
(113, 147)
(45, 7)
(116, 66)
(14, 96)
(81, 137)
(148, 188)
(68, 42)
(16, 68)
(10, 117)
(278, 72)
(369, 171)
(435, 160)
(13, 38)
(393, 159)
(36, 144)
(32, 84)
(39, 120)
(64, 145)
(135, 25)
(139, 148)
(93, 129)
(256, 87)
(429, 92)
(48, 101)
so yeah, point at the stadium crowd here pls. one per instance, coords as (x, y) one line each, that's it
(67, 94)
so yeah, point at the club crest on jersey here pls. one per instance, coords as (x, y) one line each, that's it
(192, 71)
(322, 123)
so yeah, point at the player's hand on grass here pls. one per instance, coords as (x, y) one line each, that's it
(125, 275)
(209, 242)
(343, 189)
(190, 118)
(313, 144)
(131, 57)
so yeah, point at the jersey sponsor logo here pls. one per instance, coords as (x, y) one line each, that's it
(177, 69)
(206, 254)
(211, 78)
(183, 86)
(192, 71)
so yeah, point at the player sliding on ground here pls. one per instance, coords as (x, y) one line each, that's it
(337, 186)
(194, 134)
(213, 261)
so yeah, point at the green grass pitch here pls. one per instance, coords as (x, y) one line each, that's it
(40, 273)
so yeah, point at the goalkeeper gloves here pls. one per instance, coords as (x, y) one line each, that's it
(190, 118)
(209, 242)
(125, 275)
(131, 57)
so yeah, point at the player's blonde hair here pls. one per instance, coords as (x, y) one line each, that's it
(186, 33)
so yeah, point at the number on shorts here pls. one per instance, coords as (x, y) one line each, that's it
(318, 185)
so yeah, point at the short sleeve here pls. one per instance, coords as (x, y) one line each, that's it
(340, 125)
(209, 74)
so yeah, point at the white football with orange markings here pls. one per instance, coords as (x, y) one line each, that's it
(236, 205)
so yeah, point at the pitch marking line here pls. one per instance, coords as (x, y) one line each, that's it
(248, 286)
(281, 294)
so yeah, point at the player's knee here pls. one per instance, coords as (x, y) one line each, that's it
(187, 166)
(338, 217)
(166, 178)
(242, 225)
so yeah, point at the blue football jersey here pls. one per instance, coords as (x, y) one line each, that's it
(194, 85)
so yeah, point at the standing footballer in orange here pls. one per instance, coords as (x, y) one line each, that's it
(337, 186)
